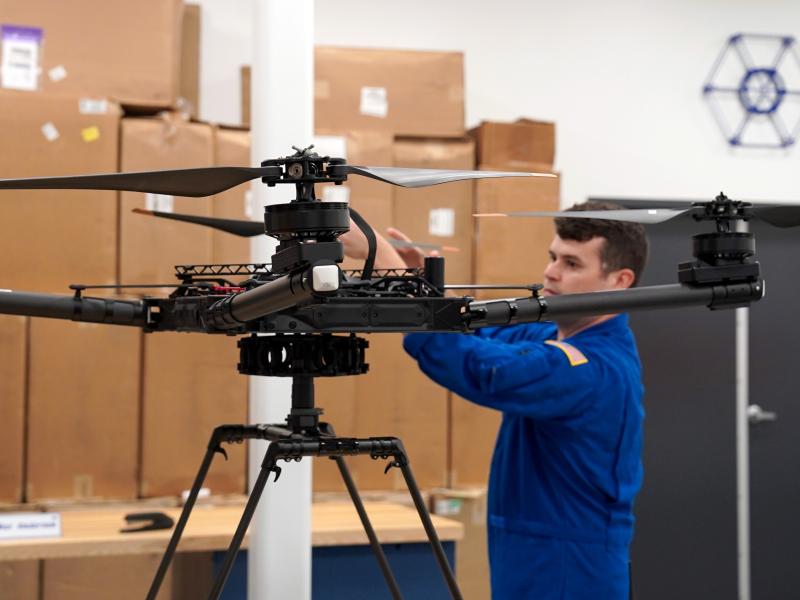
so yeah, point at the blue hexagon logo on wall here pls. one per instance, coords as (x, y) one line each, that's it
(753, 90)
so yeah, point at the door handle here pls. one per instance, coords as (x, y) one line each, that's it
(756, 415)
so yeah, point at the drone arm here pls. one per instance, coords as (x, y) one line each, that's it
(277, 295)
(75, 308)
(530, 310)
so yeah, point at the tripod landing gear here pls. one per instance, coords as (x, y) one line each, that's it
(303, 435)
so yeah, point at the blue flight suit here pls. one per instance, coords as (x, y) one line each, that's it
(567, 461)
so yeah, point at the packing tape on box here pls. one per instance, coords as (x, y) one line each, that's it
(322, 89)
(83, 486)
(455, 93)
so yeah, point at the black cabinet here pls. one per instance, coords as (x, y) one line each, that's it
(685, 539)
(775, 445)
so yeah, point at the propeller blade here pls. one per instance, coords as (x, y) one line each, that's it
(778, 216)
(648, 216)
(196, 183)
(421, 245)
(414, 178)
(236, 227)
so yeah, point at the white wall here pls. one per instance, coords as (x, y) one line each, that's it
(621, 78)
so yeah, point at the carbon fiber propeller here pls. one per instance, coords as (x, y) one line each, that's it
(208, 181)
(778, 216)
(195, 183)
(414, 178)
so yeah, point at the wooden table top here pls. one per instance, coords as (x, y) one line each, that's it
(95, 532)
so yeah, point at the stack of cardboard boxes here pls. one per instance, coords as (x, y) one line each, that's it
(111, 413)
(92, 412)
(400, 108)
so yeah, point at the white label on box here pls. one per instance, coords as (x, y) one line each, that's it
(50, 132)
(23, 526)
(249, 208)
(92, 106)
(19, 66)
(57, 73)
(374, 102)
(331, 145)
(336, 193)
(159, 202)
(442, 222)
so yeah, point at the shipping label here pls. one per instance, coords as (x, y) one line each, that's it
(159, 202)
(20, 48)
(374, 102)
(442, 222)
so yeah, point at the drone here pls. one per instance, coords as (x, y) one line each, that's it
(307, 303)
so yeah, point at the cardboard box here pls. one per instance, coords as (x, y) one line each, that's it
(371, 198)
(397, 91)
(151, 247)
(513, 250)
(473, 432)
(128, 51)
(189, 90)
(439, 214)
(51, 238)
(20, 579)
(525, 145)
(13, 350)
(83, 410)
(507, 251)
(125, 577)
(190, 386)
(232, 148)
(468, 507)
(396, 399)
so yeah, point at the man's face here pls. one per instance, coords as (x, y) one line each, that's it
(576, 267)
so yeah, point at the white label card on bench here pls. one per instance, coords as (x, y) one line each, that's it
(30, 525)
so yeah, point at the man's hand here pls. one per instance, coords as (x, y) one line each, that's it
(411, 255)
(354, 242)
(386, 256)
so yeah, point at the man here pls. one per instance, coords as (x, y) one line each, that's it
(566, 465)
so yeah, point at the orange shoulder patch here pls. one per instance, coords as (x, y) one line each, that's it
(575, 356)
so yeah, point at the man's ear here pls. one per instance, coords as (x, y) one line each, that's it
(622, 279)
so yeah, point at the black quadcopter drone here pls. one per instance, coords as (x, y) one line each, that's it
(303, 290)
(304, 298)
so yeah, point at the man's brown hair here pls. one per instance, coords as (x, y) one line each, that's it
(625, 243)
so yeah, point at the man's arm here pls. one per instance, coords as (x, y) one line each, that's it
(529, 378)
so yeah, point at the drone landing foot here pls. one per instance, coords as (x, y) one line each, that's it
(294, 446)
